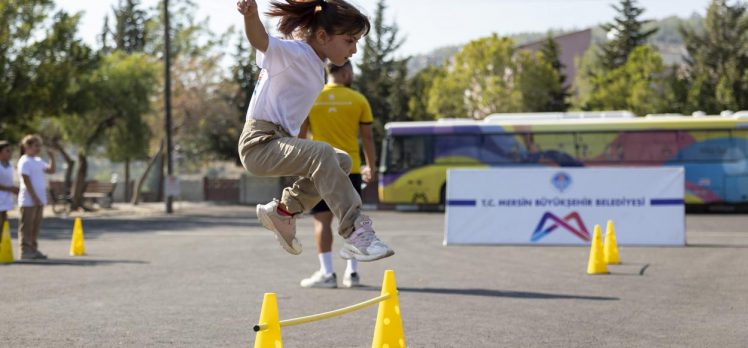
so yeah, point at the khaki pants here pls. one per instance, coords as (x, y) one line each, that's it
(266, 149)
(28, 228)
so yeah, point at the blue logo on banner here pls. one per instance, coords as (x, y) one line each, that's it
(561, 181)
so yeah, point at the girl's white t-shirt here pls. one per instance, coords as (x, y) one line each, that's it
(6, 179)
(292, 78)
(33, 167)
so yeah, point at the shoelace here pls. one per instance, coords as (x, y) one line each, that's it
(364, 238)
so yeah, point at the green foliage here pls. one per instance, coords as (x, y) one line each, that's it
(489, 76)
(418, 93)
(718, 63)
(559, 95)
(117, 93)
(628, 33)
(639, 85)
(382, 77)
(40, 62)
(130, 32)
(478, 82)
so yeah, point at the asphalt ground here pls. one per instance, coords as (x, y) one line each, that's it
(197, 278)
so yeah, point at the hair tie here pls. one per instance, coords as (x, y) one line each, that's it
(320, 6)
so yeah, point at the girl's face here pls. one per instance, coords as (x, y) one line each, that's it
(33, 149)
(5, 154)
(337, 48)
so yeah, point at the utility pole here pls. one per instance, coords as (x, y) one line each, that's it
(167, 104)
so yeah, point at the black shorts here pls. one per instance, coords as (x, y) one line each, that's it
(322, 207)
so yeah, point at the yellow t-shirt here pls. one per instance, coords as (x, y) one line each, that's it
(335, 119)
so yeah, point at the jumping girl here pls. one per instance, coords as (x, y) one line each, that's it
(291, 79)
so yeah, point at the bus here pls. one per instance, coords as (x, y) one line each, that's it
(712, 149)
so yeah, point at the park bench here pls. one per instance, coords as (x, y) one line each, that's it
(100, 192)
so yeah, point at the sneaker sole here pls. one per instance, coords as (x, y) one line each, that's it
(333, 286)
(351, 285)
(346, 254)
(268, 224)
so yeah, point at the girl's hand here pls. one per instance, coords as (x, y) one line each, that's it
(247, 7)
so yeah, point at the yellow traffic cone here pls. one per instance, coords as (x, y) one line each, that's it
(596, 264)
(77, 247)
(389, 329)
(270, 337)
(6, 246)
(611, 246)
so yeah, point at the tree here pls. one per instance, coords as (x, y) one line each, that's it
(40, 62)
(538, 83)
(479, 81)
(220, 133)
(639, 85)
(608, 81)
(418, 93)
(559, 96)
(625, 33)
(128, 140)
(718, 59)
(382, 75)
(118, 92)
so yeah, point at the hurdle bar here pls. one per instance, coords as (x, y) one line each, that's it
(325, 315)
(388, 331)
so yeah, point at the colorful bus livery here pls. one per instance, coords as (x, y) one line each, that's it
(713, 150)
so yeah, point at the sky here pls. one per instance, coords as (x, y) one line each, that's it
(430, 24)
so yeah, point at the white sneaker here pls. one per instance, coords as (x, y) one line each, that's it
(320, 280)
(283, 226)
(362, 244)
(351, 280)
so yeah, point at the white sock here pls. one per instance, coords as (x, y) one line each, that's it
(325, 263)
(352, 267)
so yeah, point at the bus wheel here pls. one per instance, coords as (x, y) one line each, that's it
(443, 195)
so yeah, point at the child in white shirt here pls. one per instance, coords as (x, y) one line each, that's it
(7, 188)
(291, 79)
(32, 196)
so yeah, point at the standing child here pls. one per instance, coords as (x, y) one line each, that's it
(291, 79)
(33, 194)
(7, 189)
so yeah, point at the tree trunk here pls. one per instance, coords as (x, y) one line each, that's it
(136, 194)
(127, 180)
(69, 165)
(161, 180)
(80, 182)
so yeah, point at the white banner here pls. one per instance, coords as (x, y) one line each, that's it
(562, 205)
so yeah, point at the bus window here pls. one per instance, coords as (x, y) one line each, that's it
(551, 148)
(407, 152)
(599, 147)
(648, 146)
(740, 141)
(456, 148)
(502, 149)
(706, 146)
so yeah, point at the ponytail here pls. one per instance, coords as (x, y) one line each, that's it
(302, 18)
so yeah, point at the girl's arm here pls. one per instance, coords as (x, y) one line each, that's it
(253, 27)
(304, 131)
(370, 153)
(11, 189)
(32, 192)
(51, 167)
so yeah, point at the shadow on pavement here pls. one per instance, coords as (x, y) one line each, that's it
(497, 293)
(717, 246)
(55, 228)
(80, 262)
